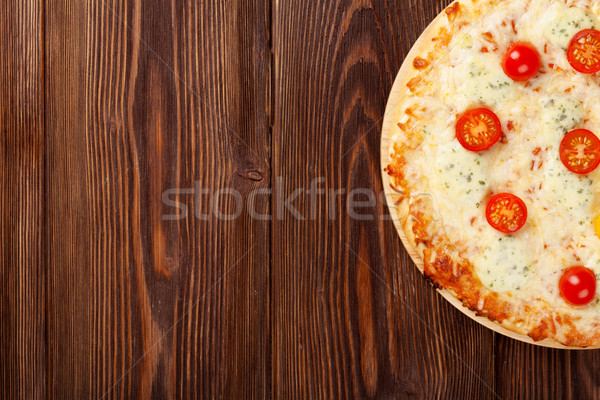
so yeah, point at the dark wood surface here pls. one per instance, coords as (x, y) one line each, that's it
(107, 107)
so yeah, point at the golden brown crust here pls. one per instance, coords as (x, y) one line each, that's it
(442, 260)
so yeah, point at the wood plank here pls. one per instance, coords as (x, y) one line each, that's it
(22, 274)
(223, 344)
(352, 316)
(145, 97)
(526, 371)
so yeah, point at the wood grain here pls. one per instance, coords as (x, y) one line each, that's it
(142, 98)
(22, 274)
(352, 316)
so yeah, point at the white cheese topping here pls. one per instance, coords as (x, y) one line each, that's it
(480, 79)
(561, 23)
(506, 264)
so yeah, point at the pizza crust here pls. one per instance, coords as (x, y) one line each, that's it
(440, 261)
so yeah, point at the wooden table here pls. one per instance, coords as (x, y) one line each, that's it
(256, 121)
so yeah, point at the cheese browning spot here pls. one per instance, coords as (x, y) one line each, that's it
(420, 63)
(413, 83)
(452, 11)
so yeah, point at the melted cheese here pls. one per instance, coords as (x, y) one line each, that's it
(480, 79)
(562, 206)
(506, 264)
(559, 115)
(561, 23)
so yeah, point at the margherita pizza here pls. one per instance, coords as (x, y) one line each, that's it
(495, 161)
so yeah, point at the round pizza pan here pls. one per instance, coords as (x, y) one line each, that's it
(391, 118)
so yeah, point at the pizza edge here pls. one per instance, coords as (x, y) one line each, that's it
(442, 263)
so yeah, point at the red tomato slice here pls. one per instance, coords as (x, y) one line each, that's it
(580, 151)
(478, 129)
(506, 212)
(522, 62)
(577, 286)
(584, 51)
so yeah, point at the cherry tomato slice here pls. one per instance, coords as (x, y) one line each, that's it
(521, 62)
(478, 129)
(580, 151)
(506, 213)
(577, 286)
(584, 51)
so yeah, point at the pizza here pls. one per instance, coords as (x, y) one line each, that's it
(494, 161)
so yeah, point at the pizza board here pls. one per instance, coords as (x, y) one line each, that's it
(391, 118)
